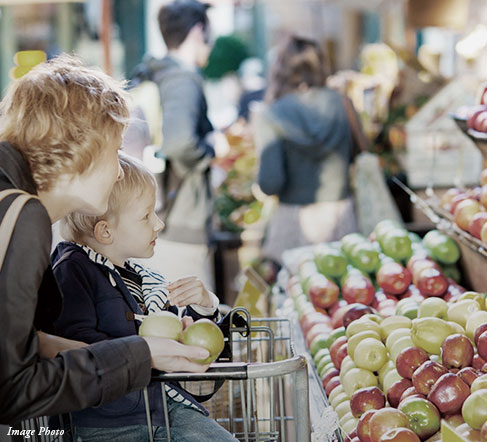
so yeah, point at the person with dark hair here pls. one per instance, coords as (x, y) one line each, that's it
(186, 137)
(305, 140)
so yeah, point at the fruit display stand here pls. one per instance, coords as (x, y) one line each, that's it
(393, 346)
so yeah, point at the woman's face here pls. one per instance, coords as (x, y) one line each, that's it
(94, 186)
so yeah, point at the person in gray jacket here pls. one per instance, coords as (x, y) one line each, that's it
(186, 134)
(61, 126)
(306, 146)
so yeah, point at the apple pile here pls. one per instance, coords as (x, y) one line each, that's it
(469, 208)
(384, 376)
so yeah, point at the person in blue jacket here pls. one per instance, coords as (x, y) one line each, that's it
(103, 290)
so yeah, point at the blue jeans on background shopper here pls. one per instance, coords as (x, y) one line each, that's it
(186, 425)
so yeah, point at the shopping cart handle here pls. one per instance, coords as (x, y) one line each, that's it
(217, 370)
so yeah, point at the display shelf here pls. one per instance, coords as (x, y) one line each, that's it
(473, 252)
(479, 138)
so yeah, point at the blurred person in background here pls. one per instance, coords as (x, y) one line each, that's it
(306, 146)
(186, 135)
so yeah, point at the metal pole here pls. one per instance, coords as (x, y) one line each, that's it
(105, 34)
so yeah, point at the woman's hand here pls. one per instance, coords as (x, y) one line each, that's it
(168, 355)
(190, 290)
(50, 345)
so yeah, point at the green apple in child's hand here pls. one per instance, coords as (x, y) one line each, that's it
(162, 325)
(205, 333)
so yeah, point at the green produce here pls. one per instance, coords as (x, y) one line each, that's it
(163, 325)
(330, 262)
(350, 240)
(365, 257)
(453, 272)
(384, 226)
(205, 333)
(396, 244)
(441, 247)
(429, 333)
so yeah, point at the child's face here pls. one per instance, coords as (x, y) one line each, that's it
(135, 233)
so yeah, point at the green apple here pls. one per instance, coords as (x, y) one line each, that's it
(479, 384)
(407, 307)
(343, 408)
(318, 343)
(345, 418)
(395, 335)
(424, 418)
(436, 358)
(355, 339)
(347, 365)
(348, 426)
(479, 297)
(163, 325)
(324, 363)
(360, 325)
(335, 392)
(382, 227)
(350, 240)
(433, 308)
(396, 244)
(389, 379)
(474, 409)
(457, 328)
(205, 333)
(335, 334)
(400, 345)
(338, 399)
(370, 354)
(473, 321)
(320, 355)
(358, 378)
(452, 271)
(330, 262)
(429, 333)
(323, 369)
(364, 257)
(441, 247)
(460, 311)
(392, 323)
(386, 368)
(373, 317)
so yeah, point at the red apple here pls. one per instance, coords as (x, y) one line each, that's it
(457, 200)
(400, 435)
(421, 264)
(363, 426)
(364, 399)
(396, 391)
(411, 392)
(332, 384)
(358, 288)
(322, 292)
(333, 309)
(464, 212)
(355, 311)
(457, 351)
(337, 317)
(483, 433)
(317, 330)
(310, 319)
(478, 331)
(329, 375)
(468, 375)
(447, 198)
(432, 282)
(482, 345)
(335, 347)
(409, 360)
(340, 355)
(478, 363)
(393, 278)
(476, 224)
(426, 375)
(384, 420)
(449, 393)
(424, 417)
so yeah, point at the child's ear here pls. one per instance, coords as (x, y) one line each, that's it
(103, 233)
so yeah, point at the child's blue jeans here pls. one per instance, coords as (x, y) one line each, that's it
(186, 425)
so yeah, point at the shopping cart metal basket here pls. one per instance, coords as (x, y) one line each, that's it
(265, 394)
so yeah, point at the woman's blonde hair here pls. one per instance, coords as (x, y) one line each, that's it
(137, 179)
(61, 115)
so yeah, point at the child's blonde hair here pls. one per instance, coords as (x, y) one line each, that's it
(137, 179)
(61, 115)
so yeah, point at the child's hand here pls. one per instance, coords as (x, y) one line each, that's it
(189, 290)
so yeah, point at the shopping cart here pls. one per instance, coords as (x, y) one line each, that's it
(264, 396)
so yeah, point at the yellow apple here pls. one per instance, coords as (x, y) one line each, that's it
(392, 323)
